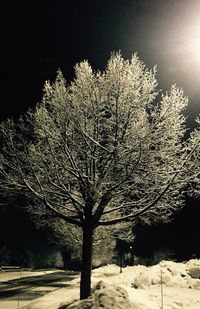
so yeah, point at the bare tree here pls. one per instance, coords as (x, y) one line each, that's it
(105, 149)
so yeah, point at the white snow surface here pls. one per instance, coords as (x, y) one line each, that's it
(167, 285)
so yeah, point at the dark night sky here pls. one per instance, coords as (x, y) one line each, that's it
(41, 36)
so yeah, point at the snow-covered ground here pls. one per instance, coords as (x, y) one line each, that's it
(167, 285)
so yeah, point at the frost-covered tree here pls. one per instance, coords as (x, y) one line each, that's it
(194, 170)
(107, 148)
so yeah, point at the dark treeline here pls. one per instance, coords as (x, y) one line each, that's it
(21, 243)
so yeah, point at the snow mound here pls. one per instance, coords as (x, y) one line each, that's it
(169, 273)
(106, 296)
(142, 280)
(193, 268)
(140, 287)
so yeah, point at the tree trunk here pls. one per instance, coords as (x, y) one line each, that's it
(121, 261)
(85, 285)
(66, 256)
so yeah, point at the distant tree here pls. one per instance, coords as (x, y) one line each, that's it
(101, 151)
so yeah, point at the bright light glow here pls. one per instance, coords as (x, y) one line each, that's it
(192, 43)
(184, 54)
(177, 48)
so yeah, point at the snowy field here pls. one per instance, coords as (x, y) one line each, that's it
(168, 285)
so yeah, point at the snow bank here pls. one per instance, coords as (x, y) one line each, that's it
(169, 273)
(139, 287)
(185, 275)
(193, 268)
(106, 296)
